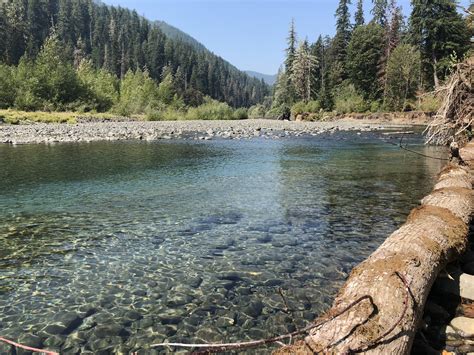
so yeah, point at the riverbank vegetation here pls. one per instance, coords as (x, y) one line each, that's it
(83, 56)
(388, 64)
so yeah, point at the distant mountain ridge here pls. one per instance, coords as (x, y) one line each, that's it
(268, 79)
(175, 33)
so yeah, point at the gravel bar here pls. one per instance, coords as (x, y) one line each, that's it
(199, 130)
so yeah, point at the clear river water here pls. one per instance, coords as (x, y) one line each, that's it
(110, 247)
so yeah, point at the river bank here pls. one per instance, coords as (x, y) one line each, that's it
(198, 130)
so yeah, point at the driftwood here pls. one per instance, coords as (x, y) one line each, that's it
(398, 276)
(454, 119)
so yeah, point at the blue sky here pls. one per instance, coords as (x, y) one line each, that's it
(248, 33)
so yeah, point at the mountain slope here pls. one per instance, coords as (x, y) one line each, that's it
(119, 40)
(268, 79)
(175, 33)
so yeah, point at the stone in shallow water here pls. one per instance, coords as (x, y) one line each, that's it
(254, 309)
(134, 315)
(109, 330)
(194, 282)
(54, 342)
(70, 320)
(55, 329)
(30, 340)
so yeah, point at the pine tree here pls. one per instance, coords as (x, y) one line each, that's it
(364, 52)
(341, 40)
(439, 32)
(301, 74)
(402, 76)
(291, 49)
(392, 39)
(379, 11)
(359, 15)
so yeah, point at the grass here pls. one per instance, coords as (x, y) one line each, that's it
(17, 117)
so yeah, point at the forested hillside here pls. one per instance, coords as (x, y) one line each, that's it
(119, 41)
(389, 63)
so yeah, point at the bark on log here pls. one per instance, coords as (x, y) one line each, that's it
(398, 276)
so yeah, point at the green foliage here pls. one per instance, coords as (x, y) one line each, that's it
(138, 93)
(57, 83)
(166, 89)
(428, 103)
(349, 100)
(359, 15)
(298, 108)
(364, 54)
(117, 40)
(403, 69)
(438, 31)
(281, 112)
(8, 86)
(380, 12)
(257, 111)
(240, 114)
(100, 88)
(304, 65)
(211, 110)
(305, 107)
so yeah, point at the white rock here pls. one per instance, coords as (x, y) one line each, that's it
(463, 326)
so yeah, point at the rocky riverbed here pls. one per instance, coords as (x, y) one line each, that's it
(197, 130)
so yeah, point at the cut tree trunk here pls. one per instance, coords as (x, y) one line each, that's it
(398, 276)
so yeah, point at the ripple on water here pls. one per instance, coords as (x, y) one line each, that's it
(190, 242)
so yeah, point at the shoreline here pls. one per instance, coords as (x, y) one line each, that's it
(47, 133)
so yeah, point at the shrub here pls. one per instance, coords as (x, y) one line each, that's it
(100, 88)
(281, 112)
(240, 114)
(428, 103)
(298, 108)
(313, 106)
(8, 86)
(211, 110)
(257, 111)
(348, 100)
(138, 94)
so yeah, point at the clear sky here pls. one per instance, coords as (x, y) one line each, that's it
(248, 33)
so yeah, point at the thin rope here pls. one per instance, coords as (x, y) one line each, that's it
(29, 348)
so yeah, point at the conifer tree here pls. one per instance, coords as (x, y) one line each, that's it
(302, 72)
(379, 11)
(359, 15)
(341, 40)
(402, 76)
(291, 49)
(439, 31)
(364, 52)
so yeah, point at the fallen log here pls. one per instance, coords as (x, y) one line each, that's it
(398, 276)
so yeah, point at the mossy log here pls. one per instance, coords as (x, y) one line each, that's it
(398, 276)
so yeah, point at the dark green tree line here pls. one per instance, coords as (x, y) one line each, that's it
(119, 40)
(381, 64)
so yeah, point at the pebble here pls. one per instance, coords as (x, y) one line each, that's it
(144, 130)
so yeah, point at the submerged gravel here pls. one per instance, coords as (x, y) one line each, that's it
(204, 130)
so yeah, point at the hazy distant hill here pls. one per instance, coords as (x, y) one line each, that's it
(269, 79)
(176, 33)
